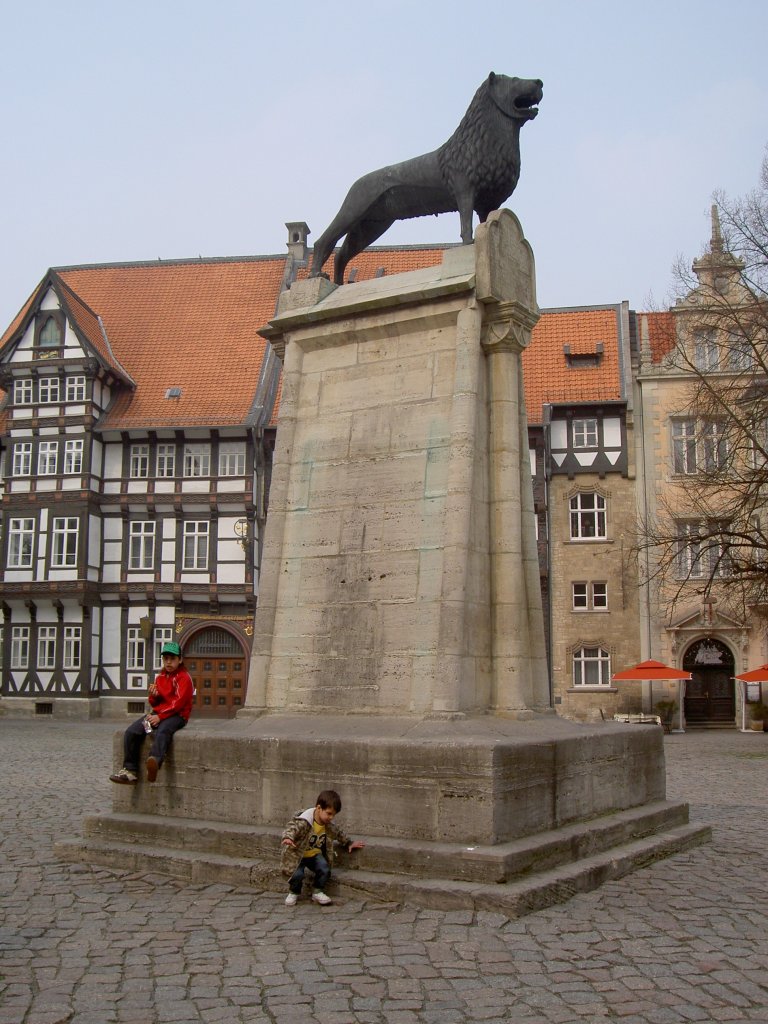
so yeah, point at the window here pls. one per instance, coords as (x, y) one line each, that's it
(73, 456)
(64, 548)
(21, 538)
(715, 446)
(705, 353)
(688, 550)
(585, 433)
(232, 459)
(72, 646)
(48, 390)
(587, 516)
(741, 354)
(163, 634)
(75, 389)
(684, 446)
(591, 667)
(47, 457)
(50, 334)
(20, 647)
(590, 597)
(139, 465)
(135, 650)
(142, 545)
(22, 392)
(22, 458)
(759, 443)
(196, 545)
(46, 647)
(166, 460)
(197, 460)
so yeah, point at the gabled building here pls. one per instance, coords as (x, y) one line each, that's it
(137, 432)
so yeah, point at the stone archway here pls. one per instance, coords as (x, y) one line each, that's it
(710, 697)
(217, 662)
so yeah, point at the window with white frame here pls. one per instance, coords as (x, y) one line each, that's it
(585, 433)
(689, 555)
(22, 392)
(591, 667)
(759, 443)
(197, 460)
(75, 391)
(196, 544)
(46, 647)
(139, 461)
(684, 446)
(64, 542)
(232, 458)
(135, 648)
(73, 456)
(47, 457)
(73, 641)
(715, 444)
(48, 390)
(587, 516)
(22, 458)
(21, 539)
(166, 460)
(20, 647)
(163, 635)
(706, 356)
(590, 596)
(142, 545)
(741, 353)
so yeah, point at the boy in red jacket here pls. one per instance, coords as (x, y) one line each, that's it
(170, 697)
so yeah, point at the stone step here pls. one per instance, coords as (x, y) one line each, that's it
(534, 891)
(471, 863)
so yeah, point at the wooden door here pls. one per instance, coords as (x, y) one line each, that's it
(710, 696)
(217, 664)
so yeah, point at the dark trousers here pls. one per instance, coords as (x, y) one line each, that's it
(162, 735)
(317, 864)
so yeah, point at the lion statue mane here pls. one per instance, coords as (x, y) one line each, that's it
(477, 169)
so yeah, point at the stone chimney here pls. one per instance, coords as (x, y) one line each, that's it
(298, 232)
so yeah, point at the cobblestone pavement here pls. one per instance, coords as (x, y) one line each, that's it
(683, 940)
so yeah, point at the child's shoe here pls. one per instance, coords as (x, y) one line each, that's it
(291, 899)
(125, 777)
(321, 898)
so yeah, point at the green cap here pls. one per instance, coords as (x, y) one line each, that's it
(171, 648)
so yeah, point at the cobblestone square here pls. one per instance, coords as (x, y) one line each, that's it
(683, 940)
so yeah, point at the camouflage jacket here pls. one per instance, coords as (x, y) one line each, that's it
(299, 830)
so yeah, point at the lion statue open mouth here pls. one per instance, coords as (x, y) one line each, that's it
(476, 170)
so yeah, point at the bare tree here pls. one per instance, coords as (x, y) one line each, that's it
(708, 532)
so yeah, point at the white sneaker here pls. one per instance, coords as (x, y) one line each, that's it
(321, 898)
(125, 777)
(291, 899)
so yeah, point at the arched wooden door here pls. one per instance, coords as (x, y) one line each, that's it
(710, 696)
(216, 661)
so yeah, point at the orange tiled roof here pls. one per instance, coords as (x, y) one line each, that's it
(547, 374)
(661, 333)
(193, 324)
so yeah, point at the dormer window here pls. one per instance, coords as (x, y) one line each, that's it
(49, 334)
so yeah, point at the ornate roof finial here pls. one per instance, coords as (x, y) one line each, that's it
(716, 242)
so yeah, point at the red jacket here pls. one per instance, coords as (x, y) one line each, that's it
(172, 694)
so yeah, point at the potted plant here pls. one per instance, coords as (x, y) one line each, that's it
(666, 709)
(758, 715)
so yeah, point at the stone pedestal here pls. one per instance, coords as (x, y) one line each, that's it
(400, 573)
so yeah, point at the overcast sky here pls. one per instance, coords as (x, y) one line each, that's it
(166, 129)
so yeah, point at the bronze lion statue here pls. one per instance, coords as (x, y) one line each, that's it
(475, 170)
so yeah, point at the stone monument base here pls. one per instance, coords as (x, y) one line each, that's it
(477, 812)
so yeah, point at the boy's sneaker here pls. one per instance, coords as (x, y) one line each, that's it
(291, 899)
(125, 777)
(152, 767)
(321, 898)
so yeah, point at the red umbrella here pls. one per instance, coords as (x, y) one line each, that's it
(755, 675)
(656, 670)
